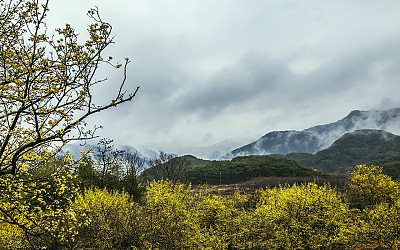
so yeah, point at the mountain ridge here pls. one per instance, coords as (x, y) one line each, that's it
(365, 146)
(319, 137)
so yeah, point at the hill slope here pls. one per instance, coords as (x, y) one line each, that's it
(245, 168)
(358, 147)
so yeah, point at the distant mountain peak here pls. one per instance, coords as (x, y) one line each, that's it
(314, 139)
(354, 113)
(217, 150)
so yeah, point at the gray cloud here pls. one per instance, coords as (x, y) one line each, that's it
(234, 86)
(255, 78)
(243, 68)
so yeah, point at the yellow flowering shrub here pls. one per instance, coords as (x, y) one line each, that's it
(12, 237)
(174, 216)
(51, 213)
(301, 217)
(368, 186)
(104, 218)
(379, 226)
(38, 202)
(166, 218)
(375, 197)
(223, 221)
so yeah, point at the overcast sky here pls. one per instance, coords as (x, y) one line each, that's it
(210, 70)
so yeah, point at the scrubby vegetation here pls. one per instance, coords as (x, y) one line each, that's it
(180, 216)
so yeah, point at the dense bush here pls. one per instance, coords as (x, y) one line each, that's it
(178, 216)
(368, 186)
(301, 217)
(105, 219)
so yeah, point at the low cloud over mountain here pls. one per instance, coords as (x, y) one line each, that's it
(319, 137)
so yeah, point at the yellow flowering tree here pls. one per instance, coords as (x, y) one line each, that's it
(47, 81)
(46, 94)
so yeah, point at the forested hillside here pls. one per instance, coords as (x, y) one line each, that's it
(189, 169)
(245, 168)
(362, 146)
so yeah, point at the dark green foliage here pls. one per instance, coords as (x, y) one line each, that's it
(360, 147)
(194, 161)
(244, 168)
(86, 173)
(392, 169)
(301, 158)
(363, 146)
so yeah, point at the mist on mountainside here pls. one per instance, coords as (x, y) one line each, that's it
(320, 137)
